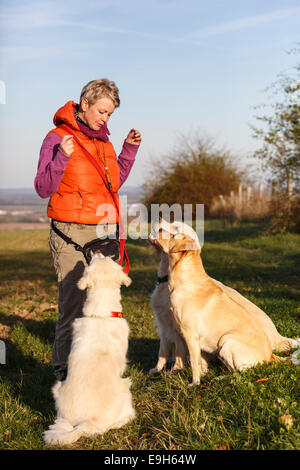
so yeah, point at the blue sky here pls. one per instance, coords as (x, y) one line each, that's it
(181, 67)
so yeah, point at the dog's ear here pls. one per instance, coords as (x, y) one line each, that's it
(125, 279)
(186, 244)
(85, 282)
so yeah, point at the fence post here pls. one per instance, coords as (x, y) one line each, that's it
(2, 352)
(261, 190)
(290, 184)
(274, 188)
(249, 190)
(240, 193)
(222, 200)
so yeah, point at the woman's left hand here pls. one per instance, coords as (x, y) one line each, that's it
(134, 137)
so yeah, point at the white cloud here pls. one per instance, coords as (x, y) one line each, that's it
(11, 54)
(48, 14)
(247, 22)
(34, 15)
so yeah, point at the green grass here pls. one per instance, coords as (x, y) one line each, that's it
(228, 409)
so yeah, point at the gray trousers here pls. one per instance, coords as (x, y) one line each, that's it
(69, 265)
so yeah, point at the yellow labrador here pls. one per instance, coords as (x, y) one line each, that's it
(212, 317)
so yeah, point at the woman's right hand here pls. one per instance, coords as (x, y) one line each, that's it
(66, 145)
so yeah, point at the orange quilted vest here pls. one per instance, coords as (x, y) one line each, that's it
(82, 196)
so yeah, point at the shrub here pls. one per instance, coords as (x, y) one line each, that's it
(285, 214)
(193, 174)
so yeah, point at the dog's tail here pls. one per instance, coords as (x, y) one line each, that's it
(63, 433)
(294, 358)
(56, 388)
(279, 358)
(286, 344)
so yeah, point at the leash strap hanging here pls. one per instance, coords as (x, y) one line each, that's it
(67, 239)
(123, 251)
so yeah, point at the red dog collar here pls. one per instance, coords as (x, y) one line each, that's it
(117, 314)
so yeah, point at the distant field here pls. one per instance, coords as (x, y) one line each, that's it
(21, 207)
(229, 410)
(17, 226)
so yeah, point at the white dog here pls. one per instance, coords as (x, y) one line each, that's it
(94, 397)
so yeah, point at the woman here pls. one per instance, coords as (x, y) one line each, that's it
(78, 195)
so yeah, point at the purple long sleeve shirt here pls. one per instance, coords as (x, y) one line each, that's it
(52, 164)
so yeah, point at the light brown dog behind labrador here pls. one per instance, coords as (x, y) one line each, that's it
(172, 346)
(209, 318)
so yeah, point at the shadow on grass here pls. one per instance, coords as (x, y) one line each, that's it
(226, 232)
(44, 329)
(143, 283)
(285, 275)
(143, 352)
(35, 265)
(30, 380)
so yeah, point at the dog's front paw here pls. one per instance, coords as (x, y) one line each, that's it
(153, 371)
(176, 368)
(195, 382)
(50, 437)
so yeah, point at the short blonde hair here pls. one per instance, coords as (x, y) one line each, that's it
(100, 88)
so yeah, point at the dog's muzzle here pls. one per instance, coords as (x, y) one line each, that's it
(154, 242)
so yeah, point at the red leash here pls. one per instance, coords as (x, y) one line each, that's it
(123, 252)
